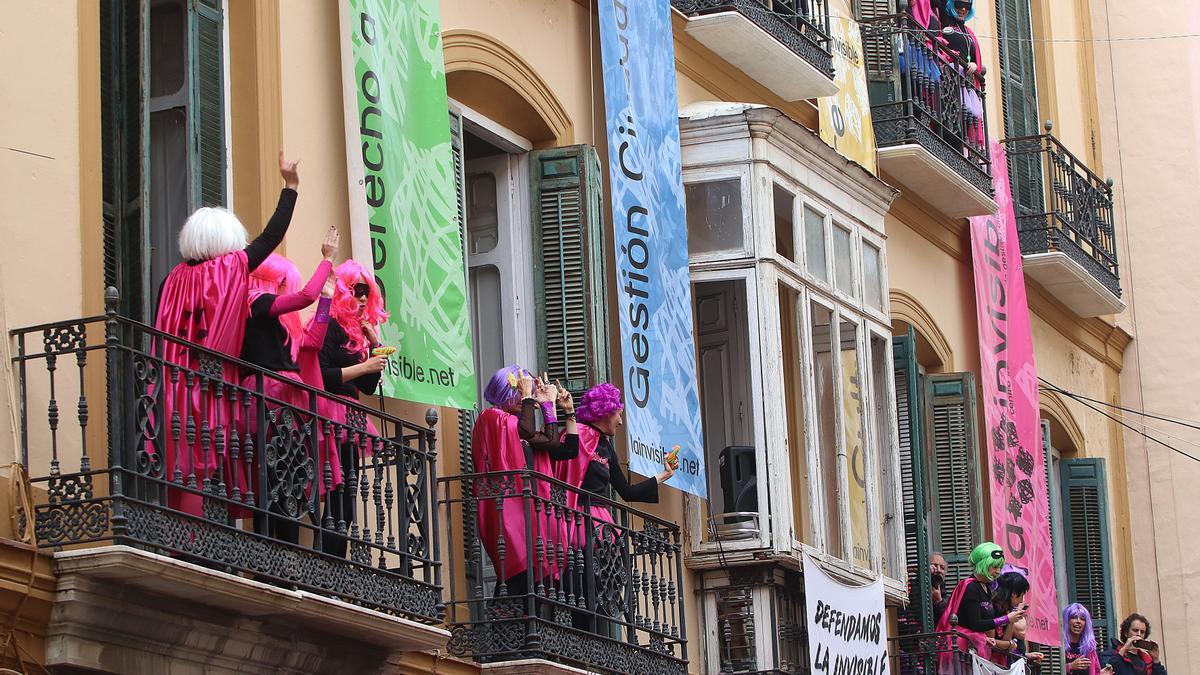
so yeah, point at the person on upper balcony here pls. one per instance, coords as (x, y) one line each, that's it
(961, 47)
(203, 301)
(1133, 652)
(970, 611)
(958, 38)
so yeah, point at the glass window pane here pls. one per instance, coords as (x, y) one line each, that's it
(483, 220)
(168, 44)
(714, 215)
(487, 323)
(872, 276)
(858, 462)
(793, 397)
(814, 243)
(881, 450)
(169, 206)
(727, 411)
(843, 263)
(785, 241)
(822, 337)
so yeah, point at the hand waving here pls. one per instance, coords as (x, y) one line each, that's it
(329, 247)
(290, 171)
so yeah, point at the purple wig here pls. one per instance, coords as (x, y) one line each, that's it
(1087, 641)
(501, 390)
(599, 402)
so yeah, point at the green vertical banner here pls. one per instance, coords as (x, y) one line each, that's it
(403, 199)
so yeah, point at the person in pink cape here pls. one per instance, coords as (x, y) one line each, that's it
(203, 301)
(970, 612)
(274, 341)
(350, 369)
(506, 438)
(594, 471)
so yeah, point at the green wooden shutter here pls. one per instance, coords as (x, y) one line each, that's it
(912, 477)
(456, 151)
(957, 512)
(1018, 100)
(572, 308)
(1089, 566)
(1053, 664)
(123, 75)
(879, 52)
(207, 63)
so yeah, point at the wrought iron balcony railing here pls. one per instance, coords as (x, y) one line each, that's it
(942, 653)
(1063, 206)
(800, 25)
(590, 582)
(921, 92)
(189, 452)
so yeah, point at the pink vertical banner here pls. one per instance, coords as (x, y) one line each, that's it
(1017, 465)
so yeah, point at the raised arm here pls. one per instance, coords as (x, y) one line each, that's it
(293, 302)
(272, 235)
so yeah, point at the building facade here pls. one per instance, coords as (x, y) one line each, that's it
(870, 461)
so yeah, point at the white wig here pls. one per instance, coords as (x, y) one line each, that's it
(210, 233)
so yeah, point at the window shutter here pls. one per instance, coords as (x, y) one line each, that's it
(123, 138)
(957, 514)
(878, 51)
(1053, 663)
(1018, 100)
(572, 308)
(208, 102)
(1089, 567)
(912, 478)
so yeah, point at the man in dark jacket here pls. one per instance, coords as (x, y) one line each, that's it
(1126, 657)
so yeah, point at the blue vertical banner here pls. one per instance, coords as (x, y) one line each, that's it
(662, 402)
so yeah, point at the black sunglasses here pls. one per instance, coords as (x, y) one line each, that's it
(998, 554)
(361, 290)
(965, 6)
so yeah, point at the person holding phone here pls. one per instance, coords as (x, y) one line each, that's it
(1134, 653)
(1010, 595)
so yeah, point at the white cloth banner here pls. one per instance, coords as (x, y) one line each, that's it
(847, 626)
(985, 667)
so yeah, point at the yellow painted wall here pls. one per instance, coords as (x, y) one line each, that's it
(1149, 93)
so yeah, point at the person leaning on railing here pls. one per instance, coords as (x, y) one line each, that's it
(274, 340)
(1011, 591)
(203, 300)
(1134, 653)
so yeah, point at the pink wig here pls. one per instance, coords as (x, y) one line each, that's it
(345, 307)
(599, 402)
(279, 276)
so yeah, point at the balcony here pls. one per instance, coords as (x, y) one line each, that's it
(1065, 224)
(165, 560)
(782, 44)
(923, 653)
(930, 117)
(608, 592)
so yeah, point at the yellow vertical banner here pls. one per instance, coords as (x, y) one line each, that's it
(856, 464)
(846, 116)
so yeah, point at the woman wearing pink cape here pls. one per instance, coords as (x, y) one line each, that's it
(971, 605)
(595, 470)
(498, 444)
(203, 300)
(274, 341)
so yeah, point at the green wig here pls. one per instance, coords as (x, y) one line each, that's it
(986, 556)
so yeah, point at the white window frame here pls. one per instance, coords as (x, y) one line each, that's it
(790, 163)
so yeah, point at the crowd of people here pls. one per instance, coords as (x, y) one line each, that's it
(986, 613)
(243, 300)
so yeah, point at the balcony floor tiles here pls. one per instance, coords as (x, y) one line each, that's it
(123, 610)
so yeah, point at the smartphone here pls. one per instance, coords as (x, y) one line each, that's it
(1145, 644)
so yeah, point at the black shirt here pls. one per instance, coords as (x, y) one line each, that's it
(975, 612)
(548, 439)
(605, 470)
(334, 356)
(265, 344)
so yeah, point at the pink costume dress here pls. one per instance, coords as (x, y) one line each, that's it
(194, 439)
